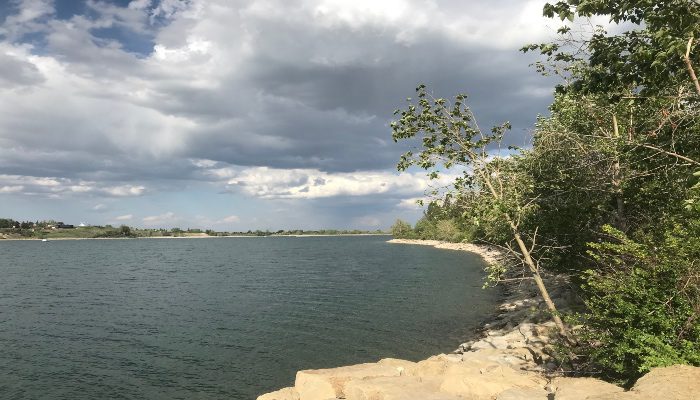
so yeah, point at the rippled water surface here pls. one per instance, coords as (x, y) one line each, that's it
(224, 318)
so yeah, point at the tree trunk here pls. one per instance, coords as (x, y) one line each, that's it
(531, 266)
(617, 183)
(689, 65)
(540, 284)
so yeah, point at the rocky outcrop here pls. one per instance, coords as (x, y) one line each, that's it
(511, 360)
(479, 376)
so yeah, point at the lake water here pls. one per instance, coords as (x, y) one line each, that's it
(224, 318)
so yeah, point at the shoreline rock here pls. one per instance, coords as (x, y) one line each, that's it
(510, 360)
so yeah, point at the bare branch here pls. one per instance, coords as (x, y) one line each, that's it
(689, 65)
(534, 239)
(670, 153)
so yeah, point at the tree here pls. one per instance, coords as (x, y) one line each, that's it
(125, 230)
(652, 58)
(451, 138)
(627, 112)
(401, 230)
(425, 228)
(6, 223)
(596, 162)
(612, 169)
(623, 138)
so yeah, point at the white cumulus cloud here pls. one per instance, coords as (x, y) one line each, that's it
(267, 182)
(125, 190)
(65, 187)
(161, 219)
(11, 189)
(231, 219)
(411, 203)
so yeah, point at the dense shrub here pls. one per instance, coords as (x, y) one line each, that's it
(425, 228)
(448, 231)
(643, 303)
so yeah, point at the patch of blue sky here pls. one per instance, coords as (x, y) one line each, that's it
(133, 42)
(38, 42)
(6, 11)
(67, 9)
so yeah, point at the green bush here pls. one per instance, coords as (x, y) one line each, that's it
(425, 228)
(643, 303)
(448, 231)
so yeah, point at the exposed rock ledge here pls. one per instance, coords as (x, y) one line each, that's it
(510, 361)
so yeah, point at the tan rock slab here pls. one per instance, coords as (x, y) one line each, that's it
(509, 357)
(396, 388)
(523, 394)
(431, 367)
(677, 382)
(486, 380)
(323, 384)
(282, 394)
(582, 388)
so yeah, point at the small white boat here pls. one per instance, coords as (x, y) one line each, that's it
(44, 240)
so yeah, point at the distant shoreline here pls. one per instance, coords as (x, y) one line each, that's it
(490, 254)
(188, 237)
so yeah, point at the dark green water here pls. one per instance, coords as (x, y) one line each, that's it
(225, 318)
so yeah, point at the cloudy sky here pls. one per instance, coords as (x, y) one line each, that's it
(236, 115)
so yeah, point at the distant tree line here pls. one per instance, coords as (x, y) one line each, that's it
(9, 223)
(45, 229)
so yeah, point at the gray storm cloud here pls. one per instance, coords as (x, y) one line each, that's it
(278, 85)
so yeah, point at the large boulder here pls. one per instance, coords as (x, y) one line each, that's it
(677, 382)
(396, 388)
(433, 366)
(477, 380)
(581, 388)
(323, 384)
